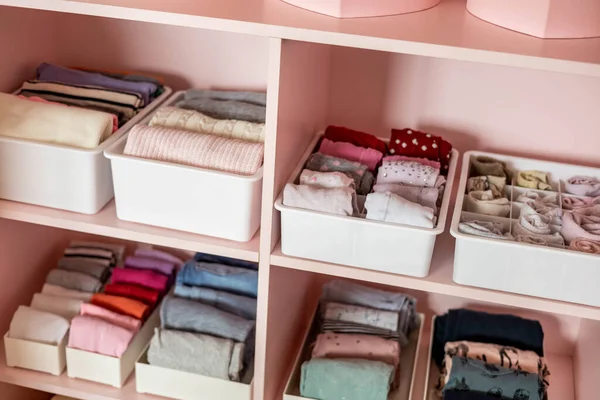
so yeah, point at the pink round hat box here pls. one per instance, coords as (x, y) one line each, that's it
(548, 19)
(363, 8)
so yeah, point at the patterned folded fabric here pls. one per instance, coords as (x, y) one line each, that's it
(363, 178)
(412, 143)
(333, 345)
(327, 180)
(258, 98)
(225, 109)
(195, 149)
(369, 157)
(190, 120)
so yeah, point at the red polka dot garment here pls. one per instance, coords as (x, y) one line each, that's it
(412, 143)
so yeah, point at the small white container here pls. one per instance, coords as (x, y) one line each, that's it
(35, 356)
(360, 242)
(408, 364)
(58, 176)
(185, 198)
(111, 370)
(182, 385)
(554, 273)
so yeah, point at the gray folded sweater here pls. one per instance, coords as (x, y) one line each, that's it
(241, 306)
(225, 109)
(74, 280)
(258, 98)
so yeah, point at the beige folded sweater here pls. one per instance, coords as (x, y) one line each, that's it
(53, 123)
(190, 120)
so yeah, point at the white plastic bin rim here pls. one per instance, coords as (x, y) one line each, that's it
(116, 150)
(441, 222)
(464, 175)
(104, 145)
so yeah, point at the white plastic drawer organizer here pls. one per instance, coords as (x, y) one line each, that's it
(185, 198)
(63, 177)
(535, 270)
(360, 242)
(409, 357)
(36, 356)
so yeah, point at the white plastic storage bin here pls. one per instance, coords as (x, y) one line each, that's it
(35, 356)
(62, 177)
(550, 272)
(359, 242)
(185, 198)
(408, 364)
(159, 381)
(111, 370)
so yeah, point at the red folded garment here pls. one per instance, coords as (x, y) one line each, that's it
(341, 134)
(147, 296)
(412, 143)
(141, 277)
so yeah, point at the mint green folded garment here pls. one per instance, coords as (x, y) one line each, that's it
(345, 379)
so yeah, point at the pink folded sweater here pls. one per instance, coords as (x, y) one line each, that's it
(348, 151)
(99, 336)
(124, 321)
(195, 149)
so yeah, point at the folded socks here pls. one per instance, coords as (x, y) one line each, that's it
(196, 353)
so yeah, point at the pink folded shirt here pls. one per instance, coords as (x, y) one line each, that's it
(410, 173)
(348, 151)
(114, 318)
(163, 267)
(141, 277)
(335, 345)
(423, 161)
(99, 336)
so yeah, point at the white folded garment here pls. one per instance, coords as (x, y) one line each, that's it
(37, 326)
(64, 306)
(389, 207)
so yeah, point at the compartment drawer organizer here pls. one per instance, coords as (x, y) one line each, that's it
(36, 356)
(554, 272)
(62, 177)
(185, 198)
(360, 242)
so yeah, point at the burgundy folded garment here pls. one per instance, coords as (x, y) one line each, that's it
(357, 138)
(147, 296)
(141, 277)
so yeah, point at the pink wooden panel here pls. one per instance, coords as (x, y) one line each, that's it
(186, 57)
(10, 392)
(586, 364)
(476, 106)
(26, 39)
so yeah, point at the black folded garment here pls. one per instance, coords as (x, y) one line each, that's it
(482, 327)
(466, 395)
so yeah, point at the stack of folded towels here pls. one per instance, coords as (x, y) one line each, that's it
(485, 356)
(80, 273)
(573, 221)
(410, 178)
(217, 130)
(75, 107)
(112, 318)
(356, 355)
(207, 327)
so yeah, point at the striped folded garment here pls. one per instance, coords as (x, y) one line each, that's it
(122, 104)
(195, 149)
(190, 120)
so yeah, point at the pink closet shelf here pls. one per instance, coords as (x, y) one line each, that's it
(439, 281)
(446, 31)
(66, 386)
(106, 223)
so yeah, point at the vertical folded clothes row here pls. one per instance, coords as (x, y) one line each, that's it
(208, 325)
(79, 275)
(112, 318)
(356, 355)
(75, 107)
(216, 130)
(485, 356)
(403, 182)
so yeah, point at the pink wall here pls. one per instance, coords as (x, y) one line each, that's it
(477, 106)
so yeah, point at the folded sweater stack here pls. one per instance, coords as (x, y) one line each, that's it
(207, 327)
(112, 318)
(410, 180)
(216, 130)
(73, 107)
(80, 273)
(356, 356)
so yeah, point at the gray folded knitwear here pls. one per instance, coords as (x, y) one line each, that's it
(258, 98)
(225, 109)
(241, 306)
(197, 353)
(74, 280)
(193, 316)
(86, 266)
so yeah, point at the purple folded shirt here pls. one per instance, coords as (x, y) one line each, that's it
(164, 267)
(158, 254)
(53, 73)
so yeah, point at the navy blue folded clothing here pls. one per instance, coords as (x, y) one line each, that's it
(482, 327)
(232, 262)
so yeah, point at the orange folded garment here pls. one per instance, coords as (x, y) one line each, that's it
(121, 305)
